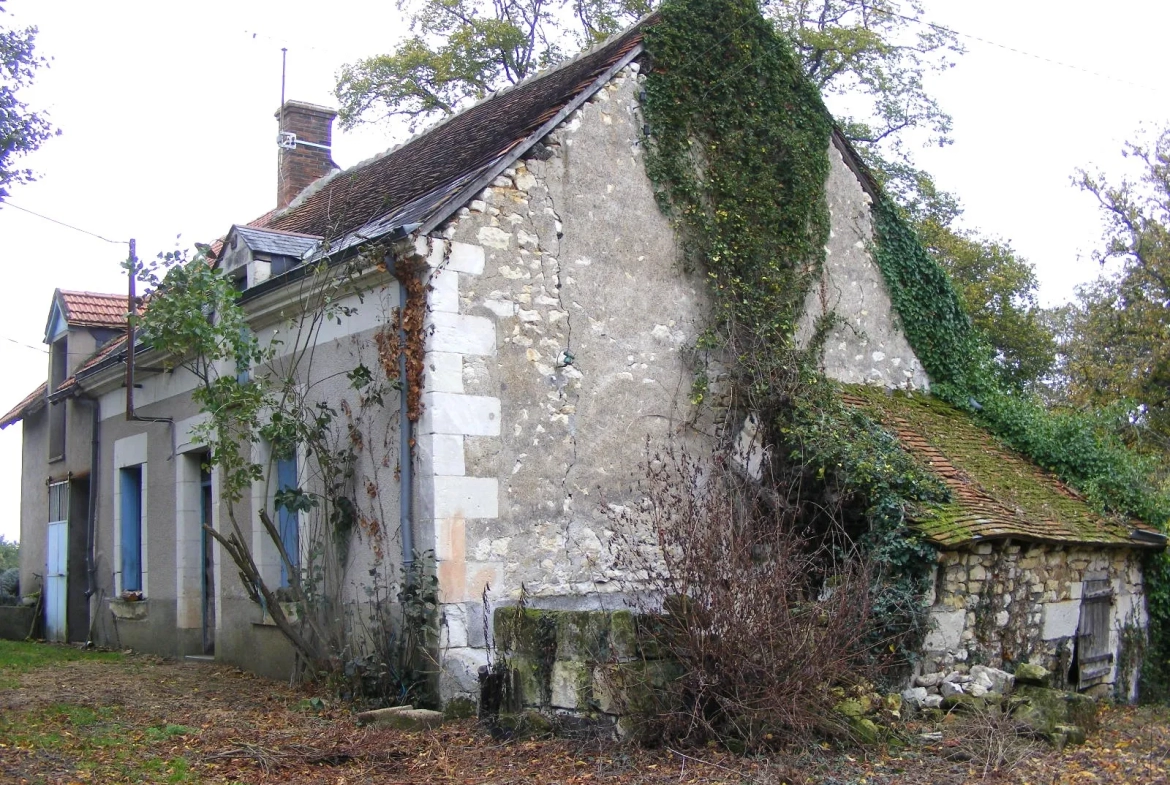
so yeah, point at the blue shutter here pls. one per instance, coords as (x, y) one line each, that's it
(290, 536)
(131, 479)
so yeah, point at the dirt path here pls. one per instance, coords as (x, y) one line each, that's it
(146, 720)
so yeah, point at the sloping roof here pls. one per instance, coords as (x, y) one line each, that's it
(90, 309)
(31, 403)
(996, 492)
(412, 183)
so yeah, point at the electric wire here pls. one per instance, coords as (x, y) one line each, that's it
(66, 225)
(40, 349)
(1018, 51)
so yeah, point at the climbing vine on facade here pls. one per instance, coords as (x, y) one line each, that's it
(738, 150)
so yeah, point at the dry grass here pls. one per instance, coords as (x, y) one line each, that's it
(145, 720)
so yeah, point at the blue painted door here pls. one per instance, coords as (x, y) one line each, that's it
(57, 563)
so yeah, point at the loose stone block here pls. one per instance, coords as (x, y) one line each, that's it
(946, 630)
(1061, 619)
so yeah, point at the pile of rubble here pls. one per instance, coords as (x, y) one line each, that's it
(1060, 717)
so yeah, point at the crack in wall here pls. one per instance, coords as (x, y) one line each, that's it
(551, 267)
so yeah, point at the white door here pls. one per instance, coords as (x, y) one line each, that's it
(57, 562)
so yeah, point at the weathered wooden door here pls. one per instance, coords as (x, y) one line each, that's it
(57, 563)
(1094, 655)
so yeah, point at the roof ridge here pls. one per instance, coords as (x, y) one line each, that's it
(324, 180)
(93, 294)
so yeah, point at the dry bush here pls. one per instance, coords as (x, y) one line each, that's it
(991, 739)
(754, 618)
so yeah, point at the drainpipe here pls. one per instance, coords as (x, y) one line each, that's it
(406, 427)
(91, 522)
(406, 436)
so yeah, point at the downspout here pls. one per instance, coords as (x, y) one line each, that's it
(406, 434)
(406, 427)
(91, 522)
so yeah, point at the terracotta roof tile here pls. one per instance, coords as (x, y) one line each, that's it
(89, 309)
(31, 403)
(996, 492)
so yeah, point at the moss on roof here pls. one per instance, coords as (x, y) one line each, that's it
(995, 492)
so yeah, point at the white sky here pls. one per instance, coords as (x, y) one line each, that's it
(167, 118)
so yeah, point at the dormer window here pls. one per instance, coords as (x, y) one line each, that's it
(252, 256)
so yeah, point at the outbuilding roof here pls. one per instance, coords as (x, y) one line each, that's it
(996, 493)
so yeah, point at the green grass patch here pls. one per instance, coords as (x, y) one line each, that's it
(17, 657)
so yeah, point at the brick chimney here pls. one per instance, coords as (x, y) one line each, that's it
(311, 157)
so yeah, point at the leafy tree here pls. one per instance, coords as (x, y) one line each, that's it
(9, 554)
(998, 290)
(1116, 337)
(462, 49)
(21, 129)
(267, 393)
(875, 52)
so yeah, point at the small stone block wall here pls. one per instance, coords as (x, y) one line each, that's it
(600, 665)
(1001, 604)
(16, 621)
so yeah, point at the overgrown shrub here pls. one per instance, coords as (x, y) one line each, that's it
(10, 586)
(757, 616)
(389, 660)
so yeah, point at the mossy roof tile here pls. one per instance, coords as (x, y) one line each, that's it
(996, 493)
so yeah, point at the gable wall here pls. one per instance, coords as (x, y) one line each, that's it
(569, 250)
(867, 346)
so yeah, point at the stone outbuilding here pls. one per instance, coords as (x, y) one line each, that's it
(1028, 571)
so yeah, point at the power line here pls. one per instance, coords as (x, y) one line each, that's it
(1022, 52)
(66, 225)
(26, 345)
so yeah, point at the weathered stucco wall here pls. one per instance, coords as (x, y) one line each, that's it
(1013, 603)
(867, 345)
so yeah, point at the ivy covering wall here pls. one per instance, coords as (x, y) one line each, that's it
(738, 150)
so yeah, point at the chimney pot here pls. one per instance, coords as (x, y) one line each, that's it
(304, 164)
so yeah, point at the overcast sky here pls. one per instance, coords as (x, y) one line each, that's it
(168, 135)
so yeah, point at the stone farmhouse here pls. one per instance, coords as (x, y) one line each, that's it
(559, 320)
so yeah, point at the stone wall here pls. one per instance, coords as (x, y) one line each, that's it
(561, 321)
(1007, 603)
(867, 345)
(560, 317)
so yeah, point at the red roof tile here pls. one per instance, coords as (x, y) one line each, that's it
(996, 492)
(89, 309)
